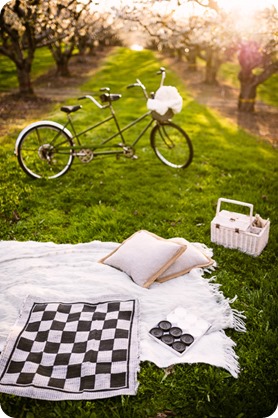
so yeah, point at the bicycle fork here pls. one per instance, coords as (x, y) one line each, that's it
(166, 138)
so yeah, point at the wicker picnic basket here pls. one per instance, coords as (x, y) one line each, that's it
(246, 233)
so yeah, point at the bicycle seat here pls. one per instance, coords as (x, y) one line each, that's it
(107, 97)
(70, 109)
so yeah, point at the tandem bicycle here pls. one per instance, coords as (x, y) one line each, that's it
(46, 149)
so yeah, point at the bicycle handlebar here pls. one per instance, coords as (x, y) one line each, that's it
(133, 85)
(138, 83)
(93, 100)
(161, 70)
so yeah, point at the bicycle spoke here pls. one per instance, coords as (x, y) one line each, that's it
(41, 155)
(166, 138)
(172, 145)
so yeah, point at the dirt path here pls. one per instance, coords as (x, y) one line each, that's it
(52, 89)
(223, 98)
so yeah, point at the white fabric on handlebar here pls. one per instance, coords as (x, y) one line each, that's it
(166, 97)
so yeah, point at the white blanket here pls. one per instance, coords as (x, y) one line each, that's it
(49, 270)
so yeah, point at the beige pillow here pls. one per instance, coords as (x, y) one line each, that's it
(144, 256)
(191, 258)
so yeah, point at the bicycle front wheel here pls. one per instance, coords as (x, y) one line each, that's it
(44, 150)
(172, 145)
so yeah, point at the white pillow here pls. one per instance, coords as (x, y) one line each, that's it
(144, 256)
(191, 258)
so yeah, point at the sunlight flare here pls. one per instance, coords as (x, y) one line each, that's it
(136, 47)
(246, 6)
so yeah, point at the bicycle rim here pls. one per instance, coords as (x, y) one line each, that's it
(45, 152)
(172, 145)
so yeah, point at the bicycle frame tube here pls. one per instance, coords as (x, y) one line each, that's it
(143, 131)
(77, 135)
(118, 133)
(125, 128)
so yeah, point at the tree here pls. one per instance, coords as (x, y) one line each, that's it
(258, 59)
(81, 24)
(20, 34)
(26, 25)
(102, 29)
(213, 37)
(209, 33)
(66, 19)
(186, 29)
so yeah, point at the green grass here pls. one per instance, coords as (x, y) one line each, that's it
(110, 199)
(266, 92)
(43, 61)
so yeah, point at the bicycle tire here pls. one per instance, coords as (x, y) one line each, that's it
(171, 145)
(44, 150)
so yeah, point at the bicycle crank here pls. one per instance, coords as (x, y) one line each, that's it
(129, 152)
(85, 155)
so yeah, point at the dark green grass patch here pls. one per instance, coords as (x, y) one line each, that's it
(109, 199)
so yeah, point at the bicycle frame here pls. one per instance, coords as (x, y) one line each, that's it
(105, 141)
(46, 149)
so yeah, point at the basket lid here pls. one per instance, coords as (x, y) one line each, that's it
(232, 220)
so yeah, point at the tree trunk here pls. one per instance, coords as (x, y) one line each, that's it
(179, 52)
(247, 95)
(82, 45)
(191, 57)
(24, 80)
(62, 68)
(211, 74)
(249, 83)
(212, 66)
(62, 58)
(92, 50)
(18, 40)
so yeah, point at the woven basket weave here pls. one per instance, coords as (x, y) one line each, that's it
(235, 230)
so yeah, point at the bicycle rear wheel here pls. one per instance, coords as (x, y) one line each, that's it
(44, 150)
(172, 145)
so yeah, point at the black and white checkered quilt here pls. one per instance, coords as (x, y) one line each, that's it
(72, 350)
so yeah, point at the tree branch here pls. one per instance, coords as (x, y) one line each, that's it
(211, 4)
(271, 69)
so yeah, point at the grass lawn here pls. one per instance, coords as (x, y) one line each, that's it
(110, 199)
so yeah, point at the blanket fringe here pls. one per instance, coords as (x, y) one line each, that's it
(238, 320)
(235, 318)
(231, 359)
(204, 248)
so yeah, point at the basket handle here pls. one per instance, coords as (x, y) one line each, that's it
(236, 202)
